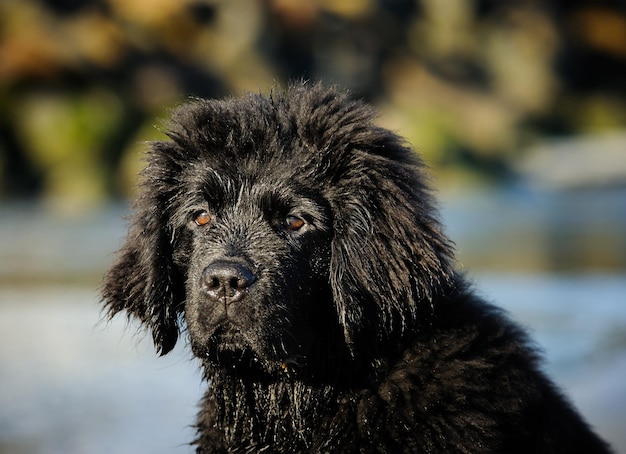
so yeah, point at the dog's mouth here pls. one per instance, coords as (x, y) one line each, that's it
(230, 347)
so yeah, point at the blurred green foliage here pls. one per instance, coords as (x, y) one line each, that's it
(472, 84)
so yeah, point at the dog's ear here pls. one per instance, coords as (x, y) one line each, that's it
(390, 259)
(144, 282)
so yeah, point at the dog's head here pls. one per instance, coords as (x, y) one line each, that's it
(272, 226)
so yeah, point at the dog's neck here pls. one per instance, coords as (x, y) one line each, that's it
(277, 409)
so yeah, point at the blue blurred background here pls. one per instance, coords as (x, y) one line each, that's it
(519, 108)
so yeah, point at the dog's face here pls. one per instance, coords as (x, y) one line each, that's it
(281, 231)
(255, 250)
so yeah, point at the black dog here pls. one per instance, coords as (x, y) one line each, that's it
(298, 245)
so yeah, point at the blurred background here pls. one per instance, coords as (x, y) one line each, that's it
(518, 107)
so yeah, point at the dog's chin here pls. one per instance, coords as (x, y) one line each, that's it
(232, 351)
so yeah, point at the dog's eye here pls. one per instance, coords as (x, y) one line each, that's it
(201, 218)
(293, 223)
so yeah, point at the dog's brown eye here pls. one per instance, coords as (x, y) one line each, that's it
(293, 223)
(202, 218)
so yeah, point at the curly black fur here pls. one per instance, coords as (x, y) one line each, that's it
(298, 244)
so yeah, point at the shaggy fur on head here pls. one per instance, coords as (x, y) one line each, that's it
(297, 245)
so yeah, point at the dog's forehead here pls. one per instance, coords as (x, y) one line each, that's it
(252, 181)
(290, 165)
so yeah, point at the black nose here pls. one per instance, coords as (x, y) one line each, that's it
(227, 280)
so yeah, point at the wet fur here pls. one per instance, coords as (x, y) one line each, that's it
(357, 335)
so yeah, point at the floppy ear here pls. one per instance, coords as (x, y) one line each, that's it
(390, 259)
(145, 282)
